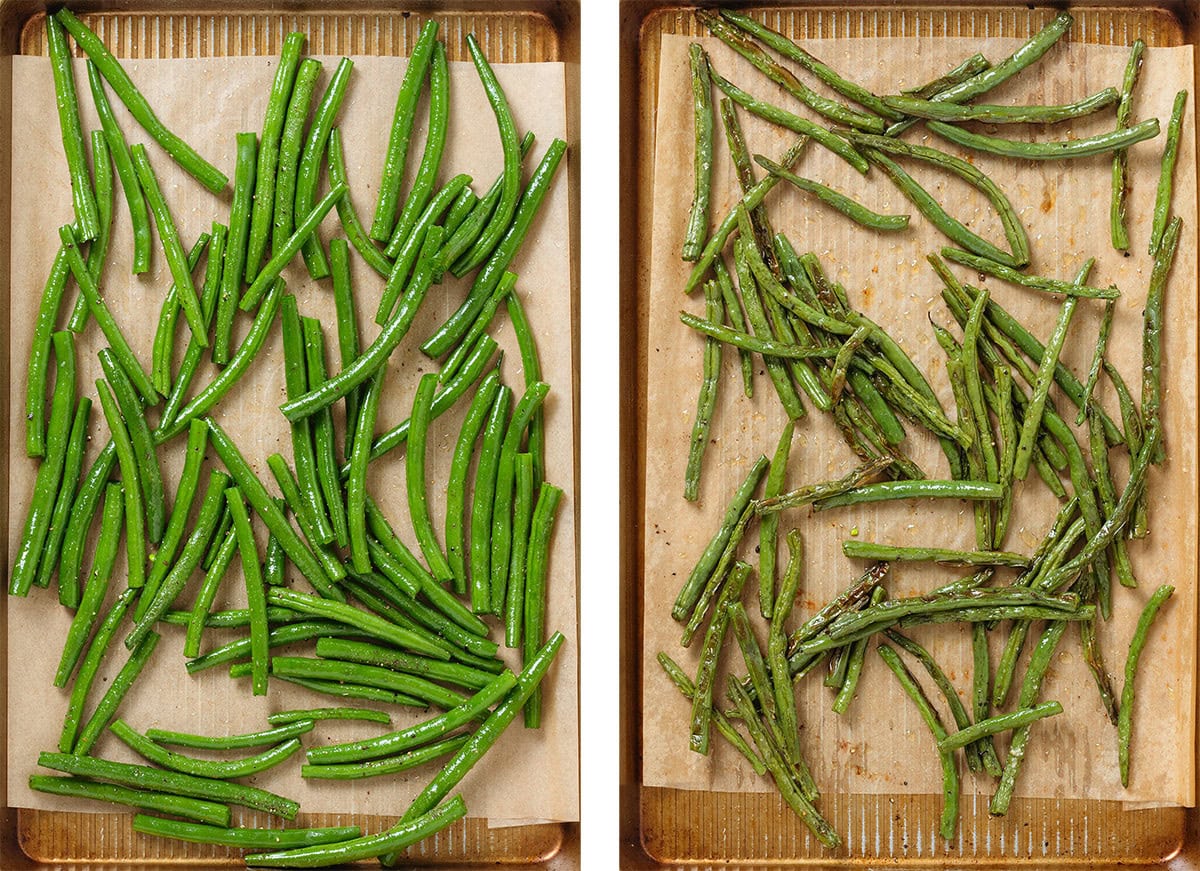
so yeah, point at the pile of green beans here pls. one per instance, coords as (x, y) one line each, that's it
(1006, 419)
(381, 622)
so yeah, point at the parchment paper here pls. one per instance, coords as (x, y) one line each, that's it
(881, 745)
(206, 102)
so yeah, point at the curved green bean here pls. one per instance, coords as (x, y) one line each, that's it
(309, 171)
(185, 493)
(351, 224)
(765, 346)
(131, 473)
(366, 675)
(164, 335)
(356, 483)
(454, 361)
(115, 694)
(89, 666)
(1099, 144)
(280, 718)
(1048, 285)
(142, 444)
(218, 770)
(374, 654)
(995, 114)
(531, 370)
(163, 803)
(83, 511)
(328, 473)
(231, 742)
(1001, 723)
(418, 506)
(1140, 636)
(198, 618)
(245, 839)
(457, 544)
(857, 212)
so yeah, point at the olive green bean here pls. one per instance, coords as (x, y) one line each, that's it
(855, 211)
(868, 550)
(702, 160)
(1089, 386)
(825, 490)
(1152, 324)
(1049, 285)
(1120, 168)
(768, 529)
(1100, 144)
(888, 490)
(706, 675)
(972, 66)
(754, 342)
(994, 114)
(235, 245)
(1140, 636)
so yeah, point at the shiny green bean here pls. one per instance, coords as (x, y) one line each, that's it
(64, 501)
(219, 770)
(309, 169)
(483, 501)
(164, 803)
(457, 541)
(83, 198)
(39, 355)
(351, 224)
(110, 702)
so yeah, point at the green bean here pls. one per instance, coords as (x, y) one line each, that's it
(781, 771)
(108, 325)
(768, 529)
(149, 476)
(855, 659)
(289, 633)
(868, 550)
(268, 152)
(168, 236)
(347, 325)
(82, 196)
(208, 305)
(432, 669)
(402, 121)
(164, 335)
(1140, 636)
(356, 486)
(303, 452)
(389, 765)
(888, 490)
(826, 490)
(309, 171)
(1089, 386)
(96, 588)
(950, 784)
(131, 474)
(284, 254)
(1049, 285)
(706, 675)
(743, 497)
(713, 585)
(1108, 498)
(228, 543)
(419, 734)
(857, 212)
(1120, 168)
(323, 434)
(280, 718)
(781, 682)
(290, 144)
(221, 770)
(241, 838)
(98, 249)
(396, 838)
(302, 509)
(415, 480)
(485, 736)
(184, 496)
(702, 122)
(255, 595)
(755, 343)
(64, 500)
(1014, 232)
(235, 245)
(981, 673)
(1131, 421)
(1152, 322)
(487, 277)
(994, 114)
(39, 355)
(142, 778)
(431, 157)
(850, 598)
(456, 387)
(540, 532)
(416, 575)
(342, 613)
(215, 390)
(792, 51)
(1039, 662)
(442, 601)
(752, 656)
(1099, 144)
(83, 511)
(336, 688)
(733, 310)
(89, 666)
(205, 811)
(115, 694)
(375, 356)
(483, 501)
(726, 728)
(756, 315)
(127, 92)
(351, 225)
(1001, 723)
(413, 244)
(231, 742)
(503, 290)
(156, 600)
(786, 119)
(366, 675)
(457, 545)
(936, 215)
(1162, 197)
(463, 205)
(522, 518)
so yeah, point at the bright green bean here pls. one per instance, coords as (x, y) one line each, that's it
(523, 507)
(221, 770)
(149, 473)
(39, 355)
(483, 501)
(115, 694)
(356, 484)
(352, 616)
(418, 506)
(163, 803)
(351, 225)
(83, 511)
(328, 474)
(231, 742)
(245, 839)
(309, 170)
(83, 198)
(168, 317)
(283, 717)
(64, 502)
(457, 542)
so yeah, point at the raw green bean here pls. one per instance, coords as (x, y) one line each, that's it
(1140, 636)
(235, 245)
(444, 603)
(336, 688)
(168, 237)
(388, 765)
(278, 637)
(303, 452)
(396, 838)
(64, 501)
(115, 694)
(108, 324)
(96, 588)
(291, 141)
(768, 529)
(89, 666)
(366, 675)
(131, 473)
(149, 474)
(950, 784)
(457, 544)
(231, 742)
(215, 390)
(283, 717)
(432, 669)
(993, 114)
(143, 777)
(196, 166)
(503, 290)
(463, 205)
(268, 151)
(418, 506)
(351, 616)
(1120, 168)
(351, 224)
(706, 674)
(486, 279)
(356, 484)
(702, 160)
(39, 355)
(402, 121)
(1108, 498)
(83, 511)
(83, 198)
(540, 535)
(888, 490)
(219, 770)
(213, 576)
(98, 249)
(245, 839)
(156, 600)
(164, 335)
(431, 157)
(1162, 196)
(522, 518)
(294, 500)
(349, 345)
(483, 501)
(792, 122)
(756, 343)
(868, 550)
(855, 211)
(1049, 285)
(189, 480)
(1152, 324)
(328, 468)
(742, 498)
(419, 734)
(163, 803)
(1099, 144)
(255, 595)
(309, 170)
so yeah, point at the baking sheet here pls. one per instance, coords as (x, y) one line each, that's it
(881, 746)
(221, 96)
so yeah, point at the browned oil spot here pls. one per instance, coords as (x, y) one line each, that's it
(1048, 199)
(867, 293)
